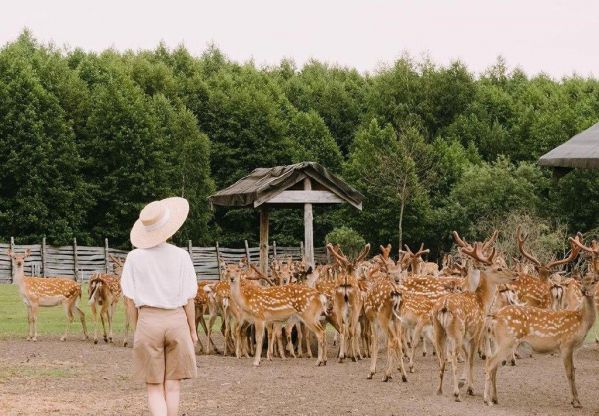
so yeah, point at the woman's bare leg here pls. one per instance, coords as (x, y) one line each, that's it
(172, 390)
(156, 399)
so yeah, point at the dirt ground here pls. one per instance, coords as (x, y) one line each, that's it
(79, 378)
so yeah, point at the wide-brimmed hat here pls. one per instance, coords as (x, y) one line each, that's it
(158, 221)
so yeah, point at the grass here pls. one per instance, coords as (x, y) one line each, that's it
(51, 321)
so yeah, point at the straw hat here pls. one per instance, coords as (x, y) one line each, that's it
(158, 221)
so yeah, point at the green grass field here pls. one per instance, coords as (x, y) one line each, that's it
(51, 321)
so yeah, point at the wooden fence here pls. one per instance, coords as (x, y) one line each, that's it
(79, 262)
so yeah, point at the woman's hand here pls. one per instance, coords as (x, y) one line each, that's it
(194, 337)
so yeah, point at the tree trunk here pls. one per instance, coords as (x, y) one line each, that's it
(401, 209)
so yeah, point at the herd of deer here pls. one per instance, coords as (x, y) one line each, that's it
(474, 304)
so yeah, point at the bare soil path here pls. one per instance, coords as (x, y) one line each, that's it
(79, 378)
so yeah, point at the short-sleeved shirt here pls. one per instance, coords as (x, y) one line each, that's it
(162, 277)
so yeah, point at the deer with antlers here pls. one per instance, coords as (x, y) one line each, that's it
(46, 292)
(347, 301)
(536, 291)
(545, 331)
(415, 262)
(458, 318)
(278, 304)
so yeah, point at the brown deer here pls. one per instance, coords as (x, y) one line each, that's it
(536, 291)
(458, 318)
(416, 264)
(278, 304)
(347, 301)
(104, 290)
(381, 307)
(129, 306)
(545, 331)
(45, 292)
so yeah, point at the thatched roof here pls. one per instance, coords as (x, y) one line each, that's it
(581, 151)
(265, 183)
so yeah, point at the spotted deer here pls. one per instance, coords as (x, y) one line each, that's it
(545, 331)
(381, 310)
(458, 318)
(347, 302)
(278, 304)
(536, 291)
(104, 291)
(46, 292)
(118, 264)
(416, 264)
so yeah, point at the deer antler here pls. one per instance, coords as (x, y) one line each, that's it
(341, 259)
(363, 253)
(459, 241)
(421, 251)
(594, 249)
(116, 260)
(573, 254)
(260, 276)
(490, 241)
(521, 240)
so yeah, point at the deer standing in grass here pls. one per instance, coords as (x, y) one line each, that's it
(458, 318)
(545, 331)
(278, 304)
(45, 292)
(104, 290)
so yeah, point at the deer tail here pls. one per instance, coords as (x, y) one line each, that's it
(444, 315)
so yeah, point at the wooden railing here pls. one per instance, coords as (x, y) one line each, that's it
(79, 262)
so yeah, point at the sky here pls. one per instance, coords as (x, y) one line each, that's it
(558, 38)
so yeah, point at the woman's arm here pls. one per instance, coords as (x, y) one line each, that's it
(131, 311)
(190, 311)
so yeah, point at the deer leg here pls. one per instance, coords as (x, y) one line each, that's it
(503, 349)
(81, 314)
(211, 346)
(279, 336)
(110, 316)
(68, 310)
(95, 319)
(270, 338)
(103, 313)
(308, 339)
(439, 339)
(127, 322)
(397, 333)
(415, 341)
(336, 337)
(454, 344)
(374, 349)
(313, 324)
(259, 325)
(29, 324)
(300, 339)
(288, 333)
(470, 366)
(567, 353)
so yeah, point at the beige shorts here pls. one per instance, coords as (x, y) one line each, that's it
(162, 346)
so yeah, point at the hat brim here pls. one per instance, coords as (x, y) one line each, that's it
(141, 238)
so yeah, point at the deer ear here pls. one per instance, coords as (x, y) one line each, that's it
(473, 280)
(27, 253)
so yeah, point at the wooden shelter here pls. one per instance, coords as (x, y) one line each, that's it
(581, 151)
(301, 184)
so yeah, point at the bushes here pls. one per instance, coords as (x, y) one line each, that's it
(348, 239)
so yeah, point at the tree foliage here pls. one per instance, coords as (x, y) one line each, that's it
(86, 139)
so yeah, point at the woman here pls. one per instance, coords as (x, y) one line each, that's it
(159, 279)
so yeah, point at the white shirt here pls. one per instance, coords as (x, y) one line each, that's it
(162, 276)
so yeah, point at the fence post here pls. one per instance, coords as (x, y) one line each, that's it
(44, 272)
(302, 250)
(106, 253)
(274, 250)
(247, 250)
(326, 250)
(12, 263)
(75, 262)
(220, 276)
(189, 247)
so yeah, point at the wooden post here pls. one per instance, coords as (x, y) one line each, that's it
(274, 250)
(12, 263)
(220, 273)
(247, 250)
(75, 262)
(189, 247)
(44, 254)
(106, 258)
(264, 240)
(308, 228)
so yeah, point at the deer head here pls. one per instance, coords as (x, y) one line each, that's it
(486, 263)
(592, 252)
(544, 270)
(19, 260)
